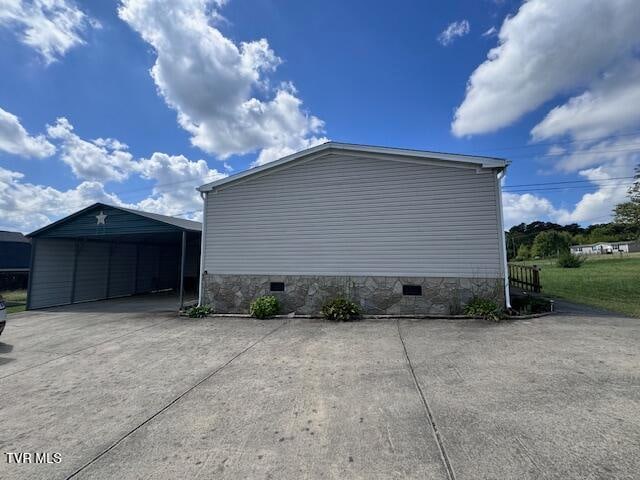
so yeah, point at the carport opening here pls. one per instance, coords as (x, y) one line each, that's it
(105, 252)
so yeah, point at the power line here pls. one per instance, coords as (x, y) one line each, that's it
(568, 181)
(168, 184)
(578, 153)
(571, 187)
(562, 142)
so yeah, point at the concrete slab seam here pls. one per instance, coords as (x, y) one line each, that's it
(174, 401)
(425, 403)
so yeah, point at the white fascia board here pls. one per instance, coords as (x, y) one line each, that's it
(333, 147)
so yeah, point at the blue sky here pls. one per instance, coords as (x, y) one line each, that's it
(137, 102)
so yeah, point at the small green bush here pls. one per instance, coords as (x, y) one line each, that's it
(484, 308)
(199, 312)
(569, 260)
(265, 307)
(340, 310)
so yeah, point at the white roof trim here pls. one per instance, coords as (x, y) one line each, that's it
(331, 147)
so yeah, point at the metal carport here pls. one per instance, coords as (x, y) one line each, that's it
(105, 251)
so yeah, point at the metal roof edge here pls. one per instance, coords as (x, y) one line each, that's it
(327, 147)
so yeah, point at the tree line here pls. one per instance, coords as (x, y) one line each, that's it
(548, 239)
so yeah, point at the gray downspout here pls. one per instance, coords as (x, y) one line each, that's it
(182, 258)
(31, 265)
(203, 243)
(505, 264)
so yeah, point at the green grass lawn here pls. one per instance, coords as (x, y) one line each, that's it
(605, 281)
(17, 296)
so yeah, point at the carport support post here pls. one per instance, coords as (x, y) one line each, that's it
(182, 259)
(32, 261)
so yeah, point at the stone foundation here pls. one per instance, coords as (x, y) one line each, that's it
(305, 294)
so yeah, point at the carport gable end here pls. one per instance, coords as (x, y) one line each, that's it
(101, 219)
(105, 251)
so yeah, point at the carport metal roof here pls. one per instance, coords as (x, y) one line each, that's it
(101, 219)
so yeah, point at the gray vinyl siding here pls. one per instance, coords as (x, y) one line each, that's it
(92, 271)
(52, 275)
(341, 215)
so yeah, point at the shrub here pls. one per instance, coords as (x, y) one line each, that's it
(569, 260)
(265, 307)
(199, 312)
(340, 310)
(484, 308)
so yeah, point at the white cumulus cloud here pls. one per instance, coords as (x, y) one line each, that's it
(607, 168)
(527, 207)
(101, 160)
(172, 190)
(26, 206)
(584, 52)
(546, 49)
(176, 178)
(453, 31)
(219, 88)
(51, 27)
(15, 139)
(610, 105)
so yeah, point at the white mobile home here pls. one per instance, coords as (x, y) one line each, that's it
(605, 248)
(389, 228)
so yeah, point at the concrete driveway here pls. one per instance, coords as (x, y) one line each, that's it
(130, 394)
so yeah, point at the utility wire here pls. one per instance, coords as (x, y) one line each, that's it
(570, 187)
(566, 182)
(578, 153)
(561, 142)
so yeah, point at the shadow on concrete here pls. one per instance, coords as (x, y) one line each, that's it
(152, 302)
(4, 361)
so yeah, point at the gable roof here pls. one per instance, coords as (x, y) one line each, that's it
(179, 223)
(16, 237)
(329, 148)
